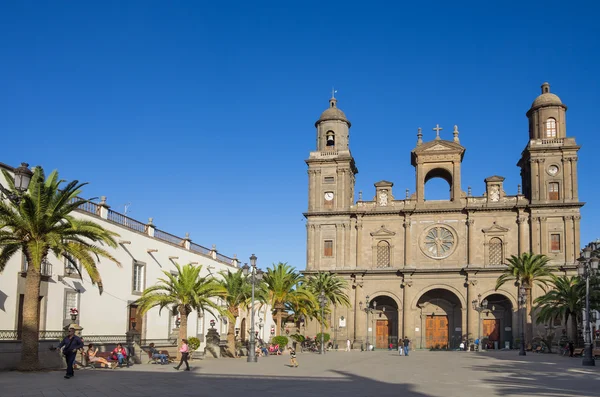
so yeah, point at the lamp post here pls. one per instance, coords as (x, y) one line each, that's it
(479, 306)
(521, 302)
(587, 268)
(22, 179)
(322, 303)
(367, 309)
(255, 278)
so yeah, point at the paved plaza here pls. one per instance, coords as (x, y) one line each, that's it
(379, 373)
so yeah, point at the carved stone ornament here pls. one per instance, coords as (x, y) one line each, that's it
(494, 193)
(383, 198)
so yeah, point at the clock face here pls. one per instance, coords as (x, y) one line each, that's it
(329, 196)
(553, 170)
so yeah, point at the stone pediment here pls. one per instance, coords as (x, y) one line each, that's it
(383, 232)
(495, 229)
(494, 178)
(439, 145)
(384, 184)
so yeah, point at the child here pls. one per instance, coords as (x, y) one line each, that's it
(293, 361)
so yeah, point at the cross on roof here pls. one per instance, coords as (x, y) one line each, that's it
(437, 130)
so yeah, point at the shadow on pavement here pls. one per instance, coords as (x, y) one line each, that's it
(540, 375)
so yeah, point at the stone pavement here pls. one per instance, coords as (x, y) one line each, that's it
(364, 374)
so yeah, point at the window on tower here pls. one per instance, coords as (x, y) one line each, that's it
(330, 136)
(551, 128)
(555, 242)
(553, 192)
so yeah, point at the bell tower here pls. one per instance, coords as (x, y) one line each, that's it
(549, 162)
(331, 168)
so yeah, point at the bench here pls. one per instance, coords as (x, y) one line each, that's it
(578, 351)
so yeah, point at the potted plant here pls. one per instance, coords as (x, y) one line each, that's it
(74, 312)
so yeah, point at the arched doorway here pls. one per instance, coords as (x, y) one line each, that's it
(384, 321)
(441, 319)
(496, 322)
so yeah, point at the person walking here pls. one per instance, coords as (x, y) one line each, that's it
(185, 351)
(70, 345)
(293, 361)
(347, 345)
(406, 345)
(401, 347)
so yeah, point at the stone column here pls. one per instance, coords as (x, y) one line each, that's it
(566, 171)
(470, 237)
(535, 234)
(456, 181)
(471, 315)
(358, 243)
(339, 255)
(522, 221)
(420, 183)
(407, 242)
(574, 182)
(542, 173)
(576, 242)
(543, 235)
(535, 187)
(316, 247)
(311, 189)
(569, 246)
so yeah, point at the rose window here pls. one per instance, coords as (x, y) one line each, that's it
(439, 242)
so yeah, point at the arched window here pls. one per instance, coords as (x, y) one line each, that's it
(383, 254)
(495, 251)
(551, 128)
(330, 138)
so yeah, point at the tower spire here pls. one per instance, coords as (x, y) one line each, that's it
(419, 136)
(455, 133)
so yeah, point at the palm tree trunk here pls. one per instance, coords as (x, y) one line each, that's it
(183, 317)
(231, 336)
(574, 337)
(31, 321)
(278, 328)
(528, 315)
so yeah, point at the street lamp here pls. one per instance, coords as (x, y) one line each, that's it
(479, 306)
(22, 179)
(588, 267)
(322, 303)
(367, 310)
(521, 302)
(255, 278)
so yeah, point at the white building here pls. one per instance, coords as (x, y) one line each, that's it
(144, 252)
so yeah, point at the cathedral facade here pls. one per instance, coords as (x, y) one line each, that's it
(420, 268)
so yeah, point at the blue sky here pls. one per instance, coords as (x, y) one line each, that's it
(201, 115)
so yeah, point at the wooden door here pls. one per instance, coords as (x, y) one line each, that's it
(383, 333)
(491, 329)
(436, 332)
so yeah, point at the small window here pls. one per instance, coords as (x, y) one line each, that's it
(553, 193)
(555, 242)
(551, 128)
(328, 248)
(495, 251)
(383, 254)
(329, 179)
(139, 274)
(71, 302)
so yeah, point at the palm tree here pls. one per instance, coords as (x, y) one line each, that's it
(40, 223)
(565, 301)
(528, 269)
(333, 286)
(283, 286)
(238, 294)
(185, 291)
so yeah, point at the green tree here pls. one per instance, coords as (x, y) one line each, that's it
(185, 291)
(238, 295)
(566, 300)
(40, 223)
(528, 269)
(283, 287)
(333, 286)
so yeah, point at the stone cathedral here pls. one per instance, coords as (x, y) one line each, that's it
(422, 265)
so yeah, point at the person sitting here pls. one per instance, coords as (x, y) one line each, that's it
(264, 350)
(158, 355)
(119, 354)
(91, 357)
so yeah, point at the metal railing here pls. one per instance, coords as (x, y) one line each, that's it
(197, 248)
(224, 259)
(168, 237)
(15, 335)
(126, 221)
(86, 206)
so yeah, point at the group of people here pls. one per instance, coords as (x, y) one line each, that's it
(72, 344)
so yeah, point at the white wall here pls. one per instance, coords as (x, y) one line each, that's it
(107, 314)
